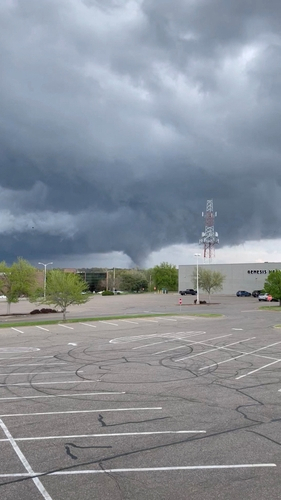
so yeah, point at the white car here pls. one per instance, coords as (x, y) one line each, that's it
(266, 297)
(3, 297)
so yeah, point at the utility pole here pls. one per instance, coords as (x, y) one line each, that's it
(197, 281)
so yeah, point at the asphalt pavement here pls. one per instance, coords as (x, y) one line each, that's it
(169, 407)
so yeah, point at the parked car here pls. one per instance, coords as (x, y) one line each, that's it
(256, 293)
(266, 297)
(188, 291)
(243, 293)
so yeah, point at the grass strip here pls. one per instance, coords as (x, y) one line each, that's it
(100, 318)
(270, 308)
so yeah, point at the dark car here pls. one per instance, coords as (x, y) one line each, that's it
(243, 293)
(256, 293)
(188, 291)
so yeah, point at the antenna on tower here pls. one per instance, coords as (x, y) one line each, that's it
(209, 238)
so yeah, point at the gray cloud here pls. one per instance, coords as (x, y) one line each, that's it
(120, 118)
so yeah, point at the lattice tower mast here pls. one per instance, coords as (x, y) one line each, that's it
(209, 238)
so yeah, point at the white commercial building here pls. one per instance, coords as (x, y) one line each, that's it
(247, 277)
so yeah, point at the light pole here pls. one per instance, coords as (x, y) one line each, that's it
(197, 287)
(45, 275)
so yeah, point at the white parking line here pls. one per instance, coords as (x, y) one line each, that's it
(156, 343)
(187, 334)
(135, 338)
(181, 338)
(17, 350)
(165, 469)
(186, 317)
(190, 333)
(139, 338)
(52, 383)
(216, 348)
(168, 319)
(143, 469)
(127, 321)
(109, 323)
(68, 372)
(115, 434)
(167, 350)
(173, 339)
(25, 463)
(36, 364)
(65, 326)
(27, 357)
(87, 324)
(64, 395)
(149, 320)
(204, 343)
(258, 369)
(239, 356)
(16, 330)
(153, 408)
(41, 328)
(265, 357)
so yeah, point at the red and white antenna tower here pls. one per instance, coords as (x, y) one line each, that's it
(209, 238)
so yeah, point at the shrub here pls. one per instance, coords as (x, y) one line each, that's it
(107, 292)
(45, 310)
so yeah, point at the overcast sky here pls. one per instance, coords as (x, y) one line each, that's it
(120, 118)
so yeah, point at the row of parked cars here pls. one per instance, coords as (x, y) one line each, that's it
(260, 294)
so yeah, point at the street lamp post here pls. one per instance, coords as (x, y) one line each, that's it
(45, 275)
(113, 287)
(197, 287)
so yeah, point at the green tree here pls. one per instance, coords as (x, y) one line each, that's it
(272, 285)
(165, 276)
(133, 281)
(18, 280)
(148, 275)
(208, 281)
(64, 289)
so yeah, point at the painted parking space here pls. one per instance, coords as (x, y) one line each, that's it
(75, 445)
(102, 324)
(167, 343)
(50, 455)
(260, 357)
(225, 350)
(132, 411)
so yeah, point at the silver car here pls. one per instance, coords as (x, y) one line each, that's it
(266, 297)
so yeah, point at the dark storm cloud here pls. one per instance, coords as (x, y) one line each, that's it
(119, 119)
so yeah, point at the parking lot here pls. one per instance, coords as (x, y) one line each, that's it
(143, 408)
